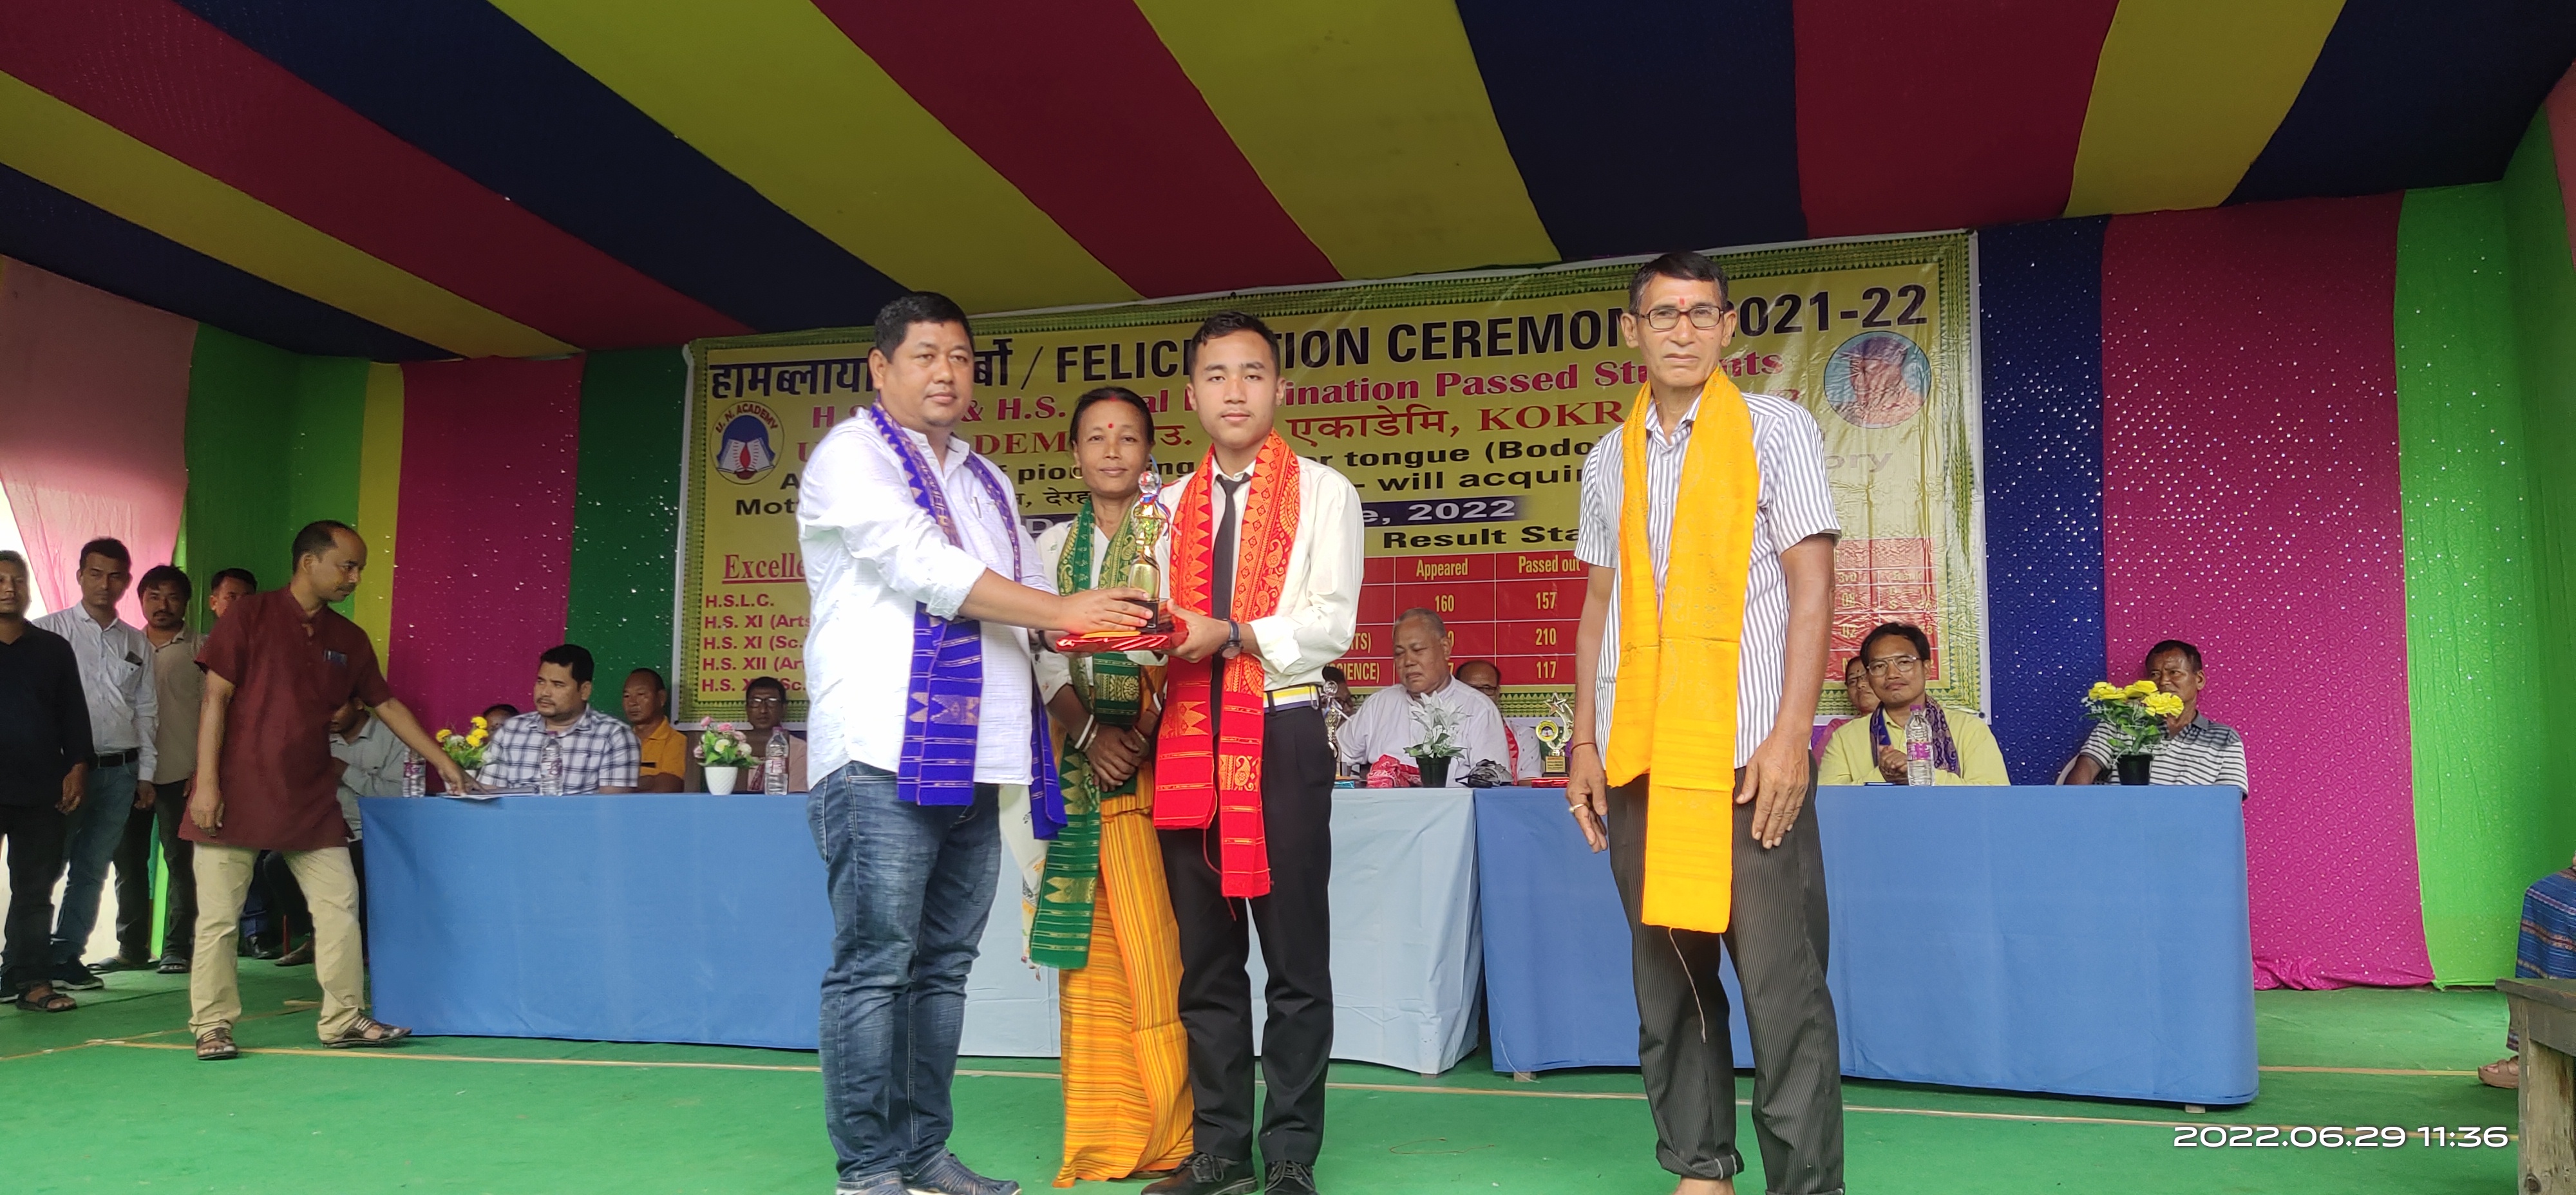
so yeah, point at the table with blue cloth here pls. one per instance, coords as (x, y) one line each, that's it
(2084, 941)
(688, 917)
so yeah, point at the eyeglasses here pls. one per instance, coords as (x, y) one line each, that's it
(764, 701)
(1662, 319)
(1898, 663)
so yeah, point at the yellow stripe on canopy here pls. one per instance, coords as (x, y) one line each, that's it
(2187, 92)
(77, 153)
(776, 94)
(379, 496)
(1368, 119)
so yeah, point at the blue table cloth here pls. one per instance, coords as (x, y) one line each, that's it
(2083, 941)
(687, 917)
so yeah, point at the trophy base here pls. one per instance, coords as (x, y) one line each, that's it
(1146, 638)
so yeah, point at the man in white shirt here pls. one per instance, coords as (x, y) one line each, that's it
(1484, 676)
(1263, 563)
(911, 538)
(124, 717)
(1395, 720)
(1665, 514)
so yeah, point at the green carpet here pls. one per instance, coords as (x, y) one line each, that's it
(111, 1101)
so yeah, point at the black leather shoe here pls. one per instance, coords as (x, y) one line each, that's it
(1289, 1178)
(1208, 1174)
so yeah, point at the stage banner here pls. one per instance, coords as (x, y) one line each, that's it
(1462, 407)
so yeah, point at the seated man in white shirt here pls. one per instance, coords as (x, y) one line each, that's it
(1486, 677)
(1395, 720)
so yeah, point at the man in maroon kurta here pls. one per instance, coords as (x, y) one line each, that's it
(277, 666)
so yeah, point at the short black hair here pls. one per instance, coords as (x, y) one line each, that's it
(512, 711)
(1911, 633)
(896, 318)
(1222, 324)
(162, 574)
(111, 548)
(1334, 673)
(242, 575)
(1093, 398)
(1682, 264)
(1461, 670)
(570, 655)
(2189, 653)
(764, 682)
(316, 538)
(659, 685)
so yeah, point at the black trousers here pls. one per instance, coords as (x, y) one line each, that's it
(35, 841)
(1296, 926)
(134, 878)
(1776, 933)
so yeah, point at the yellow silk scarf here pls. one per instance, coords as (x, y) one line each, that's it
(1673, 718)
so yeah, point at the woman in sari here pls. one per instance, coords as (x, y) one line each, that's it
(1103, 916)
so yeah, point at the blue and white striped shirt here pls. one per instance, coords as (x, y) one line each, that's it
(1795, 503)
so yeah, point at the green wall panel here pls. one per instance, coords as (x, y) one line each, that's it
(272, 445)
(626, 512)
(2544, 308)
(2471, 628)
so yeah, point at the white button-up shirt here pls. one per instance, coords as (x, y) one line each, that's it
(1319, 603)
(1393, 722)
(1795, 502)
(872, 556)
(116, 678)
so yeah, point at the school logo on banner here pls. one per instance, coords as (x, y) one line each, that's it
(747, 443)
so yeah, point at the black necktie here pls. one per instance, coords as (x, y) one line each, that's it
(1222, 594)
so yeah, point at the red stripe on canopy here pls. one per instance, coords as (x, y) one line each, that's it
(1079, 104)
(1917, 117)
(164, 76)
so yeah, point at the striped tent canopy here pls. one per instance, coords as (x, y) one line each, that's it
(413, 179)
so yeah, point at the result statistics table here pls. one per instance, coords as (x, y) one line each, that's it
(2083, 941)
(689, 917)
(1516, 608)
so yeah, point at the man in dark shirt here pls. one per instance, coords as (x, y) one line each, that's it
(277, 667)
(44, 768)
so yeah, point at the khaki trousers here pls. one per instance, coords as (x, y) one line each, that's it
(330, 892)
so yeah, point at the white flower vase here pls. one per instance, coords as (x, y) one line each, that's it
(720, 780)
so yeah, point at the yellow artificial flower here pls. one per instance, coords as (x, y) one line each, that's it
(2103, 691)
(444, 735)
(480, 724)
(475, 739)
(2142, 688)
(2164, 705)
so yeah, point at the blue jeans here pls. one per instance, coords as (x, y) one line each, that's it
(90, 836)
(911, 888)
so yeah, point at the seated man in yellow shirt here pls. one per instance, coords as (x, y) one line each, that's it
(1898, 659)
(646, 702)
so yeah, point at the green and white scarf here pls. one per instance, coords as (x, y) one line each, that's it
(1112, 687)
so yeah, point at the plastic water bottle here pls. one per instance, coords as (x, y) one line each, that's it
(415, 775)
(773, 762)
(1918, 747)
(550, 768)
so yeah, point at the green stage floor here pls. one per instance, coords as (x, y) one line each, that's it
(108, 1099)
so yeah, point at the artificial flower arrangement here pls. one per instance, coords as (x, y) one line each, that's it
(2136, 715)
(1439, 734)
(721, 746)
(467, 748)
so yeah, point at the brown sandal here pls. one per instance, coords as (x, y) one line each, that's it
(51, 1001)
(216, 1045)
(367, 1032)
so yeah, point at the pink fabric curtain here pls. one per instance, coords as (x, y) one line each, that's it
(2250, 506)
(95, 443)
(489, 452)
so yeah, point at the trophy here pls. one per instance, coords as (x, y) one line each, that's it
(1554, 732)
(1152, 523)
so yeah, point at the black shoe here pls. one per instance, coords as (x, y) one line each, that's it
(1289, 1178)
(172, 964)
(74, 977)
(118, 962)
(1208, 1174)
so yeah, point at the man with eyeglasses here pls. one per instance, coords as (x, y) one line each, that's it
(1897, 657)
(1709, 529)
(2198, 749)
(764, 705)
